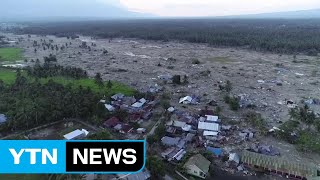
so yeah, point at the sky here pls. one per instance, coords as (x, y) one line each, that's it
(198, 8)
(45, 9)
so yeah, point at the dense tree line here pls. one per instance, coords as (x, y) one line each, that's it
(275, 35)
(31, 103)
(50, 70)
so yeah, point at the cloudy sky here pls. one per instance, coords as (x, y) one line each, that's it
(42, 9)
(216, 7)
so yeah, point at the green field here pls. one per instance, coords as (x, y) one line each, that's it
(88, 82)
(10, 54)
(9, 76)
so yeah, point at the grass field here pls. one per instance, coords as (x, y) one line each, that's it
(9, 76)
(10, 54)
(88, 82)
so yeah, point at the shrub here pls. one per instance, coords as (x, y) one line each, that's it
(233, 102)
(256, 120)
(176, 79)
(195, 61)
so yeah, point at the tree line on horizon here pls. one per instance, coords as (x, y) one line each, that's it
(270, 35)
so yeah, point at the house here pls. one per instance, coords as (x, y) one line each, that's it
(118, 127)
(198, 165)
(142, 175)
(128, 100)
(109, 107)
(3, 118)
(135, 117)
(117, 97)
(189, 137)
(208, 126)
(147, 115)
(178, 124)
(173, 153)
(210, 133)
(185, 100)
(139, 103)
(169, 141)
(170, 129)
(76, 134)
(141, 130)
(126, 128)
(211, 118)
(112, 122)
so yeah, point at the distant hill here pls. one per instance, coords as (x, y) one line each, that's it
(303, 14)
(20, 10)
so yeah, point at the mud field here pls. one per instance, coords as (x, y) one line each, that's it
(263, 79)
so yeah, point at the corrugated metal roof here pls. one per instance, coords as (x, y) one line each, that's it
(278, 164)
(74, 134)
(212, 118)
(208, 126)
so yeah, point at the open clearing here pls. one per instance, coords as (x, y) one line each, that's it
(10, 54)
(8, 76)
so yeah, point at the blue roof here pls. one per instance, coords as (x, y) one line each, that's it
(215, 151)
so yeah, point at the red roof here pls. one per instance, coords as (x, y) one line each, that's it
(135, 117)
(111, 122)
(126, 128)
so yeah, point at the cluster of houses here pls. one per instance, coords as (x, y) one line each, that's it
(138, 111)
(184, 129)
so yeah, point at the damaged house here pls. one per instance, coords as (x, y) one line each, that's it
(208, 128)
(175, 150)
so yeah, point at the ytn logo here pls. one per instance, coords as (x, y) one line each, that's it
(32, 152)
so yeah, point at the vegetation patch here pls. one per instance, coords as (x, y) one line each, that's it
(256, 120)
(302, 129)
(10, 54)
(88, 82)
(233, 102)
(8, 76)
(223, 60)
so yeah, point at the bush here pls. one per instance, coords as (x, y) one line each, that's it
(287, 129)
(195, 61)
(205, 73)
(256, 120)
(233, 102)
(176, 79)
(228, 86)
(308, 142)
(156, 167)
(303, 114)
